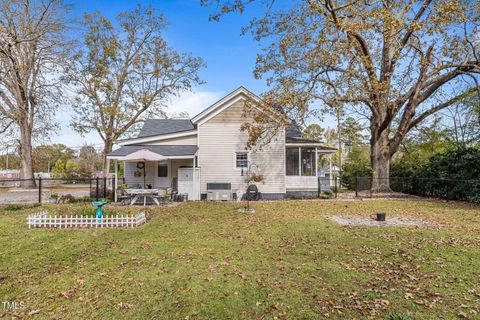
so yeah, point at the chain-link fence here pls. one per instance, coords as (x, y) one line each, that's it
(55, 190)
(452, 189)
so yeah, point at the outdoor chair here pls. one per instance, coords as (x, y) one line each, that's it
(162, 193)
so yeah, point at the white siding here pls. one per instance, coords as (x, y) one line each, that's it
(219, 139)
(301, 183)
(151, 172)
(131, 167)
(188, 141)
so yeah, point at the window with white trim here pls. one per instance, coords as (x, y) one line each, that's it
(241, 160)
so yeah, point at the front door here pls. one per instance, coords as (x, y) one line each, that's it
(162, 179)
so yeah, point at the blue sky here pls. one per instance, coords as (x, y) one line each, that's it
(230, 57)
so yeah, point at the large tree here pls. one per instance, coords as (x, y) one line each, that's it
(126, 71)
(31, 57)
(45, 156)
(396, 61)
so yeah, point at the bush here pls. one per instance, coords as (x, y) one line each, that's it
(327, 194)
(352, 170)
(453, 175)
(67, 198)
(14, 207)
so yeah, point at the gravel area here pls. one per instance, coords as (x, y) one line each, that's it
(390, 221)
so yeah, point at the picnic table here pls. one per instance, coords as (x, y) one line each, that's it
(145, 193)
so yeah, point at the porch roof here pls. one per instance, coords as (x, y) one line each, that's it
(301, 142)
(167, 151)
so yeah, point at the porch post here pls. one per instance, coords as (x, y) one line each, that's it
(330, 169)
(194, 180)
(316, 162)
(115, 187)
(299, 161)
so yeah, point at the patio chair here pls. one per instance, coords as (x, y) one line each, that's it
(162, 193)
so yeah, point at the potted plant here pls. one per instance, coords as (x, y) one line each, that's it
(54, 197)
(257, 178)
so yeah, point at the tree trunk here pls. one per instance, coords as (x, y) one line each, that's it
(106, 150)
(26, 163)
(380, 158)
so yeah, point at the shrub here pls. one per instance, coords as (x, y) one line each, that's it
(454, 174)
(67, 198)
(327, 194)
(14, 207)
(54, 195)
(352, 170)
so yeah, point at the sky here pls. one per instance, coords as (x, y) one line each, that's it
(229, 56)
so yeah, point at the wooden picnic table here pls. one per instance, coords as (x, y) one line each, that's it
(145, 193)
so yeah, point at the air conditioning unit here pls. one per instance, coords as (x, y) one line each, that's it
(219, 191)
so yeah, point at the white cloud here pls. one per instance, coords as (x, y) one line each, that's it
(193, 102)
(189, 102)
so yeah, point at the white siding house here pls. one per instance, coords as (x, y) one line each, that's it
(212, 142)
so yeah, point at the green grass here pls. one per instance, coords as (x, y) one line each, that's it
(287, 261)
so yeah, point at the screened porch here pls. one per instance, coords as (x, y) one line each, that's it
(302, 166)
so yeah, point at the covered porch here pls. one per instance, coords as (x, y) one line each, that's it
(303, 167)
(169, 168)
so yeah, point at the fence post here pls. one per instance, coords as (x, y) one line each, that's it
(356, 187)
(96, 189)
(336, 187)
(114, 189)
(371, 185)
(414, 185)
(105, 187)
(39, 189)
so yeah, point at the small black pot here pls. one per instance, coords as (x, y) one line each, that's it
(380, 216)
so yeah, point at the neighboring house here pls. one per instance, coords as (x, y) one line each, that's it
(10, 174)
(213, 143)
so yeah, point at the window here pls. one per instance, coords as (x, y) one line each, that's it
(162, 170)
(241, 160)
(300, 161)
(291, 164)
(308, 162)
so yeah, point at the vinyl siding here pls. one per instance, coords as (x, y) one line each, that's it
(131, 167)
(299, 183)
(219, 139)
(151, 171)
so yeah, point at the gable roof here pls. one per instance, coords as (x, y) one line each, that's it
(155, 127)
(217, 106)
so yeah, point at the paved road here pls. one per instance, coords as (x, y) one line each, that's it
(31, 196)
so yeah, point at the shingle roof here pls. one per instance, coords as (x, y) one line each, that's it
(154, 127)
(187, 150)
(293, 131)
(309, 141)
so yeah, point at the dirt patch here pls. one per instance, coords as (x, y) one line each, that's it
(389, 222)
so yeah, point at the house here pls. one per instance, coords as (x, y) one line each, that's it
(209, 152)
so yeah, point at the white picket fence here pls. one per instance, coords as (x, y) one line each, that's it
(44, 220)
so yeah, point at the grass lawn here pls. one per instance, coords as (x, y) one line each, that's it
(287, 261)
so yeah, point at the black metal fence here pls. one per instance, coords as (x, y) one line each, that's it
(452, 189)
(56, 189)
